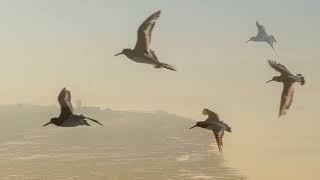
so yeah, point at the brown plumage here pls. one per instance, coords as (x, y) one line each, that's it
(142, 53)
(288, 79)
(145, 34)
(67, 118)
(214, 124)
(212, 116)
(64, 99)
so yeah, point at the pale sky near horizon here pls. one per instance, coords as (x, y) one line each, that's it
(47, 45)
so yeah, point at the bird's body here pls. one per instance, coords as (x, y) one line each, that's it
(214, 124)
(142, 53)
(143, 58)
(288, 80)
(67, 118)
(74, 120)
(263, 36)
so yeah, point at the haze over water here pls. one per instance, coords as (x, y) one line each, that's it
(129, 146)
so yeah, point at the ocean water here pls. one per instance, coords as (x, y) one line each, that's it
(122, 149)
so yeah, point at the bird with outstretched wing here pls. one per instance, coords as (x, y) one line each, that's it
(212, 116)
(261, 29)
(145, 33)
(66, 108)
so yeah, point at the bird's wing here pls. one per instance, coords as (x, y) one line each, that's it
(153, 55)
(261, 29)
(286, 98)
(279, 67)
(218, 135)
(64, 99)
(145, 32)
(226, 127)
(212, 116)
(96, 121)
(271, 45)
(274, 39)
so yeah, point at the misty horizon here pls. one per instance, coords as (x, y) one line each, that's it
(146, 145)
(146, 106)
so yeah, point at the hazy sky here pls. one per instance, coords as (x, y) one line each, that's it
(48, 44)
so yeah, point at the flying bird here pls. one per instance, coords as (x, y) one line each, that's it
(214, 123)
(263, 36)
(288, 79)
(67, 118)
(142, 52)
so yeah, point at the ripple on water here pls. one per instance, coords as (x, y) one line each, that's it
(183, 158)
(201, 176)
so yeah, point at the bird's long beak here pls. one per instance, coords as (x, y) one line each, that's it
(46, 124)
(193, 126)
(269, 81)
(118, 54)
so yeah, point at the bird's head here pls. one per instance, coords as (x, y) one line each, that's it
(52, 121)
(251, 39)
(124, 51)
(275, 78)
(196, 125)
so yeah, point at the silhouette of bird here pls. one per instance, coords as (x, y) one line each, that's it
(67, 118)
(263, 36)
(142, 53)
(288, 79)
(214, 123)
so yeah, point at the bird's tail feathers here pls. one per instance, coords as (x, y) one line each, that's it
(303, 81)
(226, 127)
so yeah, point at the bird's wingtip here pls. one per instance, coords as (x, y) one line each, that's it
(281, 114)
(65, 89)
(158, 12)
(270, 61)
